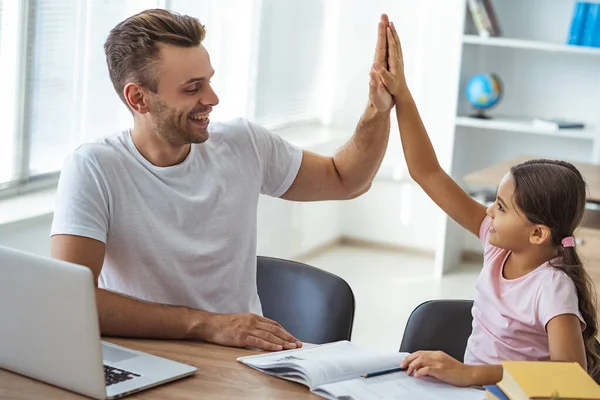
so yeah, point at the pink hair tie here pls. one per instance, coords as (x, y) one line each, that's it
(568, 242)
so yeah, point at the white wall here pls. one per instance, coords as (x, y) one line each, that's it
(399, 213)
(393, 213)
(31, 235)
(290, 229)
(390, 212)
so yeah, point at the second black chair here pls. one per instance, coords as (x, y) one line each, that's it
(313, 305)
(439, 325)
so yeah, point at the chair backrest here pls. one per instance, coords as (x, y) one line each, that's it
(313, 305)
(439, 325)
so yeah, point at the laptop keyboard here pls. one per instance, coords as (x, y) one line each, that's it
(114, 375)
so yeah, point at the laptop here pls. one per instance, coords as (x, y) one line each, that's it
(49, 331)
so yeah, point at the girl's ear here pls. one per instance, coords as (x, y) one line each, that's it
(541, 234)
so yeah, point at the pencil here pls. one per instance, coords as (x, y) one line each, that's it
(386, 371)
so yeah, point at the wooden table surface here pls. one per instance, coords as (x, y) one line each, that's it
(492, 175)
(219, 376)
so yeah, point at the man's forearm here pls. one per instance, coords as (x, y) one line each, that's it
(358, 160)
(129, 317)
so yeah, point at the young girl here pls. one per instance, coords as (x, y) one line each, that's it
(534, 300)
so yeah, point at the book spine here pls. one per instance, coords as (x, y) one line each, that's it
(486, 17)
(478, 18)
(596, 34)
(578, 22)
(591, 20)
(493, 18)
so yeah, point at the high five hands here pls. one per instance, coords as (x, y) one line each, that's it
(387, 73)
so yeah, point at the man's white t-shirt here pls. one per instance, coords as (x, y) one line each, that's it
(182, 235)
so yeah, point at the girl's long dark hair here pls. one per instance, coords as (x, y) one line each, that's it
(552, 193)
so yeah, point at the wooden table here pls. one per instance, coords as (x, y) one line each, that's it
(219, 376)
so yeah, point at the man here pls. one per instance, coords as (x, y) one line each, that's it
(165, 214)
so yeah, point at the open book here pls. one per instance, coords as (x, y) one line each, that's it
(335, 370)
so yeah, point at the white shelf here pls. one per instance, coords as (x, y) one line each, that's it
(529, 44)
(523, 125)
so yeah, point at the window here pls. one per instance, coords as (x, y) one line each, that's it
(66, 97)
(231, 29)
(56, 93)
(288, 62)
(69, 97)
(9, 64)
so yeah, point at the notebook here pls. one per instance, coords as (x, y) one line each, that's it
(524, 380)
(558, 124)
(334, 371)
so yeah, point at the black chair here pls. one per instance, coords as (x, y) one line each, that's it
(313, 305)
(439, 325)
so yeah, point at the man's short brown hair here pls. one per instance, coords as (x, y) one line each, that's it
(132, 46)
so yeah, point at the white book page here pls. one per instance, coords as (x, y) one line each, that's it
(397, 386)
(327, 363)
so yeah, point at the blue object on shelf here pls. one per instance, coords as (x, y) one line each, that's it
(596, 33)
(483, 91)
(591, 25)
(580, 12)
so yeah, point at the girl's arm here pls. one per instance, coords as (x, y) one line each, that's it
(565, 339)
(420, 156)
(447, 369)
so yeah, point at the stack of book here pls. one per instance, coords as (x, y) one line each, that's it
(525, 380)
(585, 24)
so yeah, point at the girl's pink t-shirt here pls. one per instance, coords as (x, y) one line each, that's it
(510, 316)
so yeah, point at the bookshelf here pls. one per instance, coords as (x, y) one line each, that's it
(542, 77)
(524, 126)
(530, 45)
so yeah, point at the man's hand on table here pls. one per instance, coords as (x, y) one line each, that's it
(249, 330)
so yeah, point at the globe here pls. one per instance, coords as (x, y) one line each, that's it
(483, 92)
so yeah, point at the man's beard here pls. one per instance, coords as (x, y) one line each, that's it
(171, 125)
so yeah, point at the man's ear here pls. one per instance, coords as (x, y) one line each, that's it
(541, 234)
(136, 98)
